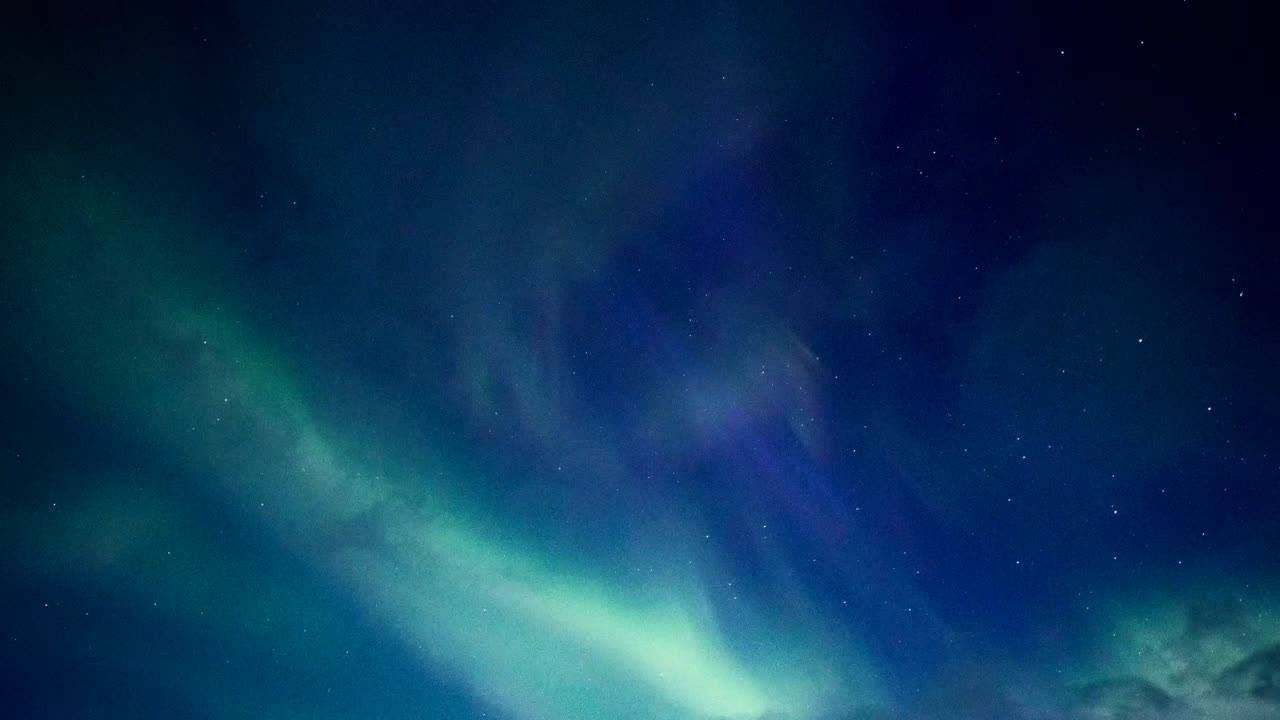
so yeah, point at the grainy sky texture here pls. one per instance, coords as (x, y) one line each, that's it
(705, 361)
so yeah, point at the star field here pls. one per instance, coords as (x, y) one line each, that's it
(661, 362)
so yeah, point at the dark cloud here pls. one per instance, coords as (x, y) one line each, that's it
(1256, 677)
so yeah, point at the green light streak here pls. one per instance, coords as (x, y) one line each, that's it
(106, 303)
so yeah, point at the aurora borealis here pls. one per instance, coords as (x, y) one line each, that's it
(685, 362)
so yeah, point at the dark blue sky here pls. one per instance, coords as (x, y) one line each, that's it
(702, 361)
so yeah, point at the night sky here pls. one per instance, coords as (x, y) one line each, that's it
(814, 361)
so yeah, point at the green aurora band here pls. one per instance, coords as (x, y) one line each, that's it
(154, 341)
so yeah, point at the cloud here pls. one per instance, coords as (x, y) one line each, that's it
(1257, 677)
